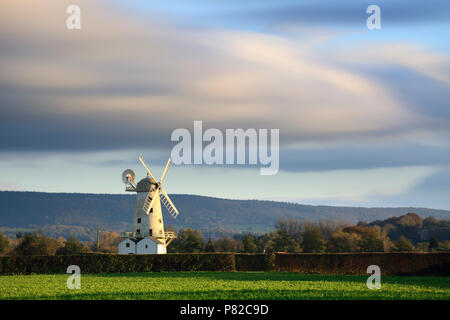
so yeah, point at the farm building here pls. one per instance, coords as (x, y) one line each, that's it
(138, 246)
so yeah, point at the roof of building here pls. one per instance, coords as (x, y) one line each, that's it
(144, 184)
(137, 240)
(130, 239)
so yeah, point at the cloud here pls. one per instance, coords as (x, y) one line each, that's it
(354, 156)
(437, 182)
(399, 55)
(350, 12)
(127, 81)
(431, 191)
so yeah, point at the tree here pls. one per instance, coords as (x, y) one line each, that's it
(411, 220)
(403, 244)
(283, 241)
(371, 241)
(444, 246)
(313, 240)
(264, 242)
(430, 222)
(109, 242)
(372, 238)
(188, 240)
(249, 244)
(423, 246)
(4, 243)
(72, 247)
(293, 228)
(209, 247)
(344, 242)
(36, 244)
(227, 245)
(434, 243)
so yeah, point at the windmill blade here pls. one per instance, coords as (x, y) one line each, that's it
(169, 163)
(148, 204)
(141, 159)
(168, 203)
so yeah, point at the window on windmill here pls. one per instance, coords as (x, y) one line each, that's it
(146, 246)
(151, 210)
(138, 231)
(160, 221)
(150, 232)
(139, 220)
(128, 245)
(160, 231)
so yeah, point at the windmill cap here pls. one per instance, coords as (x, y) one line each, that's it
(145, 184)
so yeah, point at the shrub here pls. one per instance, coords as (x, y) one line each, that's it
(357, 263)
(324, 263)
(344, 242)
(403, 244)
(4, 243)
(254, 262)
(114, 263)
(36, 244)
(72, 246)
(313, 240)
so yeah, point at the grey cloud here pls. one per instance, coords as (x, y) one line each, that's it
(437, 182)
(363, 157)
(48, 98)
(345, 12)
(431, 192)
(420, 93)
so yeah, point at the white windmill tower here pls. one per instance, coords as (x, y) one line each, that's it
(148, 235)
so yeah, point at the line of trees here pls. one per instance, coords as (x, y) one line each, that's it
(290, 235)
(36, 243)
(293, 235)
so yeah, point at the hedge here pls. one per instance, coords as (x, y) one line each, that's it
(326, 263)
(402, 263)
(254, 262)
(114, 263)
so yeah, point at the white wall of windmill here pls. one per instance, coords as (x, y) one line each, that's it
(161, 249)
(141, 221)
(156, 220)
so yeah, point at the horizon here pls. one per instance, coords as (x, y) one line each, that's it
(231, 199)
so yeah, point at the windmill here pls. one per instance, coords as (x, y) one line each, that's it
(148, 221)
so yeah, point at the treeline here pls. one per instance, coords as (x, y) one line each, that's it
(398, 234)
(36, 243)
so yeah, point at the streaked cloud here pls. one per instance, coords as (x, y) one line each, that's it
(150, 77)
(346, 12)
(351, 106)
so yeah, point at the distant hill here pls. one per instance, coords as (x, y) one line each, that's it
(79, 214)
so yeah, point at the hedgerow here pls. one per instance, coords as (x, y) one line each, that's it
(322, 263)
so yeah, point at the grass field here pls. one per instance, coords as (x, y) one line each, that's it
(222, 285)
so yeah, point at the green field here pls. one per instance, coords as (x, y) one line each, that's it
(221, 285)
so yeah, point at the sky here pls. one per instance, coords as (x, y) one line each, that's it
(363, 114)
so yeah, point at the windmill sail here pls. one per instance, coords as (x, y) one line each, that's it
(159, 192)
(169, 163)
(141, 159)
(150, 201)
(168, 203)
